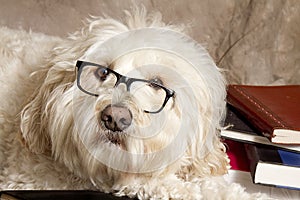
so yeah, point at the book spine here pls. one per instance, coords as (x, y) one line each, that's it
(261, 153)
(253, 159)
(237, 155)
(253, 111)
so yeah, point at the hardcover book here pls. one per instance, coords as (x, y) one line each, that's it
(273, 110)
(236, 127)
(271, 166)
(237, 155)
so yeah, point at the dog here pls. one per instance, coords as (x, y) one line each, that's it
(132, 108)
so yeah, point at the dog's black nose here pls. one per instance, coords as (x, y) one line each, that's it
(116, 118)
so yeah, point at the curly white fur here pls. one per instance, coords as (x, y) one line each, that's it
(49, 133)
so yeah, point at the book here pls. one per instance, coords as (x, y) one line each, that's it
(273, 110)
(236, 127)
(271, 166)
(237, 155)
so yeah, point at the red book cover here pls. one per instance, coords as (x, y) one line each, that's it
(273, 110)
(237, 155)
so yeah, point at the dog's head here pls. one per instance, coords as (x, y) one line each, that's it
(134, 98)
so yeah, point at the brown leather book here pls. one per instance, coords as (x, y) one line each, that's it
(273, 110)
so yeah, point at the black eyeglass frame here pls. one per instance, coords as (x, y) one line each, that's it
(122, 79)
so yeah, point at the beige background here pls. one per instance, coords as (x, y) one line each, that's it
(261, 37)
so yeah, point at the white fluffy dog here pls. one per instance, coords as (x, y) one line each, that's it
(132, 109)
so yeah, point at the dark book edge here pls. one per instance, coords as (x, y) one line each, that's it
(238, 122)
(58, 194)
(4, 196)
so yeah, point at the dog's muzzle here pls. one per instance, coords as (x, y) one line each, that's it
(116, 118)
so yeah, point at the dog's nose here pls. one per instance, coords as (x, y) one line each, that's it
(116, 118)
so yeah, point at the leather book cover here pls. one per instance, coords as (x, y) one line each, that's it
(273, 110)
(237, 127)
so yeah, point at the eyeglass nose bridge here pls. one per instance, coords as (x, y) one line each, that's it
(126, 80)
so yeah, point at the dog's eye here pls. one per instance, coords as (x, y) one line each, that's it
(101, 73)
(155, 82)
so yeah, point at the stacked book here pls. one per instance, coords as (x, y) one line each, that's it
(262, 132)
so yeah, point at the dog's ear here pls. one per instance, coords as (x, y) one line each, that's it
(36, 113)
(211, 157)
(33, 126)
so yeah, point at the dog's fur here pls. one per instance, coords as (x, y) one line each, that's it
(49, 138)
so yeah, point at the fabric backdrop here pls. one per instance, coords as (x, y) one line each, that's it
(256, 41)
